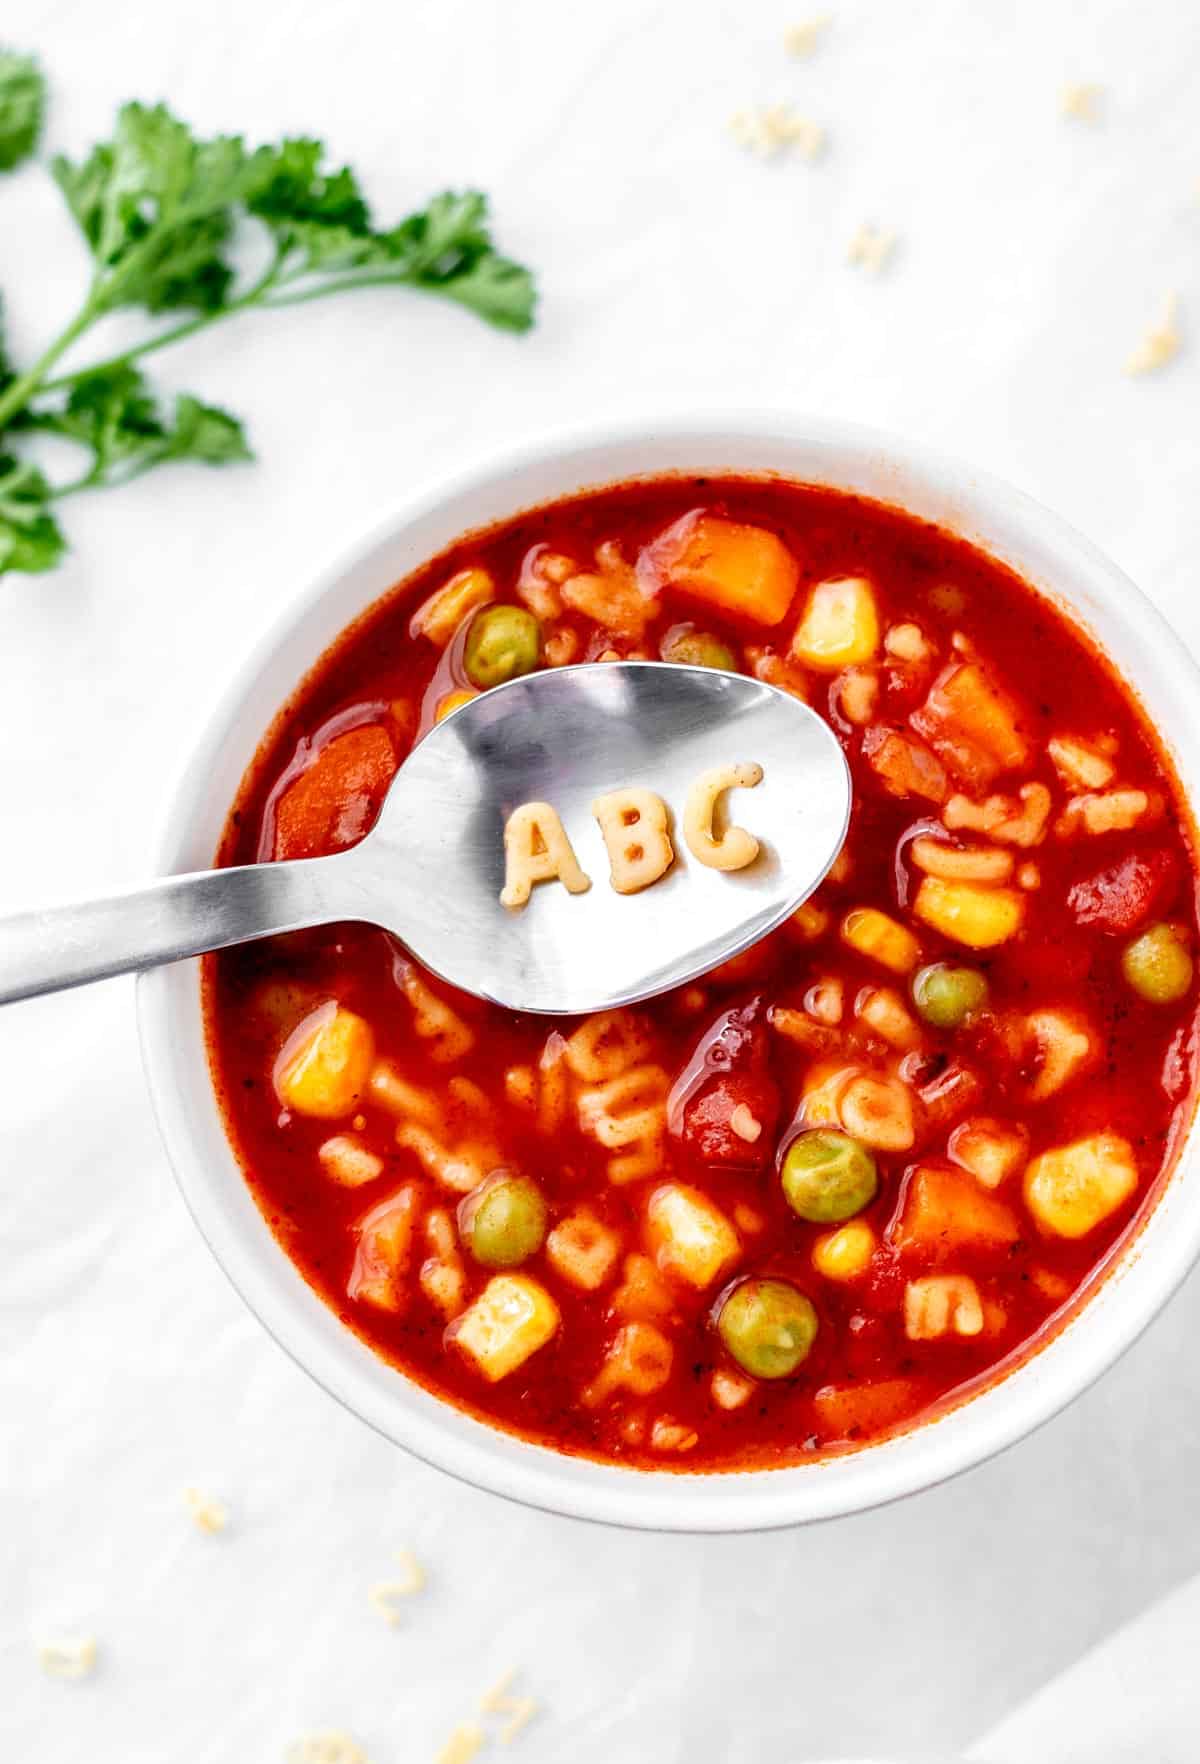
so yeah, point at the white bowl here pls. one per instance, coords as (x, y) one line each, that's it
(1010, 526)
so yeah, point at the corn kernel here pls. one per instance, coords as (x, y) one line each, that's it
(691, 1238)
(451, 702)
(439, 617)
(510, 1320)
(979, 917)
(325, 1064)
(840, 625)
(1071, 1189)
(884, 940)
(846, 1253)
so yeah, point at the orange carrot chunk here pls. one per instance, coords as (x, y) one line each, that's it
(742, 569)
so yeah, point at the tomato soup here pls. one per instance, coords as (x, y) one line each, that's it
(840, 1182)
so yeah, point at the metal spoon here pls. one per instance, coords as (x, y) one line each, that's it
(431, 869)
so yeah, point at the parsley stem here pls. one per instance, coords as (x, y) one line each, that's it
(253, 296)
(30, 383)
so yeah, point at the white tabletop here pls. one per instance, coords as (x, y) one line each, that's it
(677, 270)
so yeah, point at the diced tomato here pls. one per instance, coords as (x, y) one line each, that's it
(334, 802)
(1127, 893)
(708, 1122)
(727, 1085)
(904, 765)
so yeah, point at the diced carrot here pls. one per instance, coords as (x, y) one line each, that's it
(334, 802)
(905, 766)
(973, 724)
(945, 1209)
(846, 1411)
(742, 569)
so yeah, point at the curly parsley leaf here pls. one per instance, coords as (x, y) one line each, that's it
(22, 107)
(30, 537)
(159, 207)
(115, 415)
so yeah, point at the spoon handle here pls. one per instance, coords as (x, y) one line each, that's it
(48, 950)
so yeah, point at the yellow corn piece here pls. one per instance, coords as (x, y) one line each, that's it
(966, 913)
(840, 625)
(325, 1064)
(882, 939)
(691, 1238)
(846, 1253)
(1073, 1188)
(439, 617)
(451, 702)
(510, 1320)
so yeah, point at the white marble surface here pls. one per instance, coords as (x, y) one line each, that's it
(676, 271)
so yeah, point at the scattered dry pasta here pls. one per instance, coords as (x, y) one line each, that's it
(331, 1747)
(208, 1514)
(463, 1744)
(1161, 343)
(871, 249)
(1080, 102)
(498, 1701)
(68, 1656)
(772, 128)
(383, 1594)
(801, 39)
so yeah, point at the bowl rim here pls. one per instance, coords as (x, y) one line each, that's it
(1147, 1270)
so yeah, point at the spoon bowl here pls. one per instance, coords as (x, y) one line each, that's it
(432, 868)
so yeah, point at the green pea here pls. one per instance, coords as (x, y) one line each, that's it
(503, 641)
(767, 1326)
(699, 649)
(828, 1177)
(504, 1221)
(1158, 964)
(946, 996)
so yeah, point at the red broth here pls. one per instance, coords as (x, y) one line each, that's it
(1014, 818)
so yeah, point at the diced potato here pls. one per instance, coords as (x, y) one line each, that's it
(942, 1304)
(385, 1237)
(1080, 764)
(904, 765)
(692, 1240)
(510, 1320)
(969, 914)
(847, 1410)
(583, 1250)
(348, 1161)
(846, 1253)
(840, 626)
(972, 724)
(991, 1150)
(743, 569)
(945, 1210)
(439, 617)
(325, 1064)
(882, 939)
(1073, 1188)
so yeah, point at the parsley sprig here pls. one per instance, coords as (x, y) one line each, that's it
(159, 208)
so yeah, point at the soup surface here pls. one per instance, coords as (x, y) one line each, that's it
(850, 1175)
